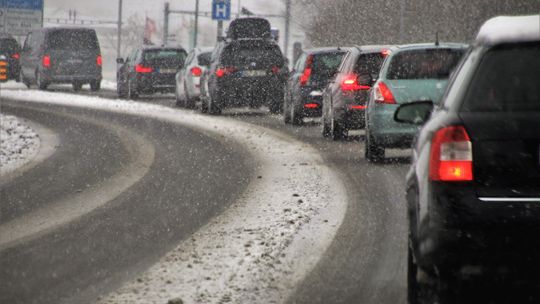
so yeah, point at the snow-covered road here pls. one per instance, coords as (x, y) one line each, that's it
(261, 247)
(19, 143)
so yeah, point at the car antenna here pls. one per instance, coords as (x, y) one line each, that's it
(437, 38)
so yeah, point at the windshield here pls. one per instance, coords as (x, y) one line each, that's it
(507, 80)
(424, 64)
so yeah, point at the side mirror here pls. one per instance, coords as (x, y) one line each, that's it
(120, 60)
(365, 80)
(414, 113)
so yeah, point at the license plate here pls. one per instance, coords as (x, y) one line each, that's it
(167, 71)
(254, 73)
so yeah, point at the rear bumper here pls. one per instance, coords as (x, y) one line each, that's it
(464, 230)
(84, 78)
(387, 132)
(247, 91)
(155, 83)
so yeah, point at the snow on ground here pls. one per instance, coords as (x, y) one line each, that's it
(18, 143)
(265, 243)
(108, 85)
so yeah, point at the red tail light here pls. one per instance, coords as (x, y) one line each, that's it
(350, 83)
(311, 105)
(385, 52)
(383, 94)
(16, 56)
(139, 68)
(451, 155)
(307, 71)
(220, 72)
(276, 70)
(46, 61)
(99, 60)
(196, 71)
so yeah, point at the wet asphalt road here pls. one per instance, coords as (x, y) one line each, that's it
(366, 262)
(97, 252)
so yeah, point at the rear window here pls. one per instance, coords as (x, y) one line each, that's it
(369, 64)
(8, 45)
(72, 40)
(424, 64)
(507, 79)
(244, 55)
(326, 63)
(165, 55)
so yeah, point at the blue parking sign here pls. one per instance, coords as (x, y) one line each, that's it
(221, 9)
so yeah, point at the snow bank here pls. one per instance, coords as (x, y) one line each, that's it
(18, 143)
(265, 243)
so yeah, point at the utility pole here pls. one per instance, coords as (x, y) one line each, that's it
(402, 21)
(195, 33)
(287, 26)
(119, 33)
(166, 23)
(219, 29)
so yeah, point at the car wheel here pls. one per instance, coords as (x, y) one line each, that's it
(374, 153)
(286, 112)
(77, 86)
(42, 84)
(337, 131)
(95, 85)
(179, 101)
(412, 283)
(189, 102)
(296, 118)
(24, 80)
(131, 92)
(212, 109)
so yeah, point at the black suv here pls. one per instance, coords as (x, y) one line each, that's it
(62, 55)
(9, 47)
(148, 70)
(245, 72)
(473, 190)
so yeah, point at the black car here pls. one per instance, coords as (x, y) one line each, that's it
(62, 55)
(473, 190)
(308, 78)
(245, 72)
(345, 98)
(9, 47)
(149, 70)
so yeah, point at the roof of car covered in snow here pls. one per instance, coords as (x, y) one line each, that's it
(508, 29)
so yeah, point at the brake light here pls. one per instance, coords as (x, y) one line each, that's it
(385, 52)
(46, 61)
(139, 68)
(220, 72)
(451, 155)
(357, 107)
(196, 71)
(350, 83)
(16, 56)
(276, 70)
(307, 71)
(311, 105)
(383, 94)
(99, 60)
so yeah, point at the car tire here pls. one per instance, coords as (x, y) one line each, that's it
(178, 101)
(412, 282)
(121, 89)
(189, 102)
(286, 112)
(374, 153)
(337, 131)
(212, 109)
(25, 80)
(41, 84)
(95, 85)
(131, 92)
(296, 118)
(77, 86)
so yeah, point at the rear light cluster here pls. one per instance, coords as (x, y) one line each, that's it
(383, 94)
(196, 71)
(451, 155)
(99, 60)
(46, 61)
(350, 83)
(16, 56)
(139, 68)
(311, 105)
(222, 71)
(304, 79)
(276, 70)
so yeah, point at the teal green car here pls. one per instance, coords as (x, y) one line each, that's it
(415, 72)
